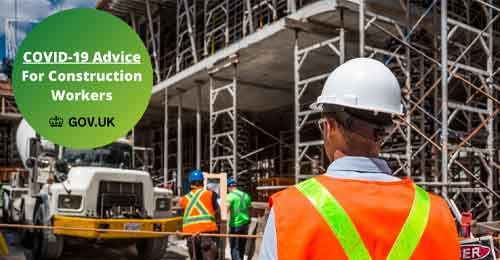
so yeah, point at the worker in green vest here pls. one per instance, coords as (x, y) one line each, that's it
(239, 209)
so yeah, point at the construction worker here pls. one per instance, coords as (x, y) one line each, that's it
(358, 210)
(200, 206)
(239, 210)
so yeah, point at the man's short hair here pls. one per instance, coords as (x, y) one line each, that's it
(197, 183)
(365, 123)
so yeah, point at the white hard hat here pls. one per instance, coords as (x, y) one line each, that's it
(362, 83)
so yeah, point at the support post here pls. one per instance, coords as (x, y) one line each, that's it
(198, 128)
(296, 108)
(235, 124)
(291, 6)
(489, 105)
(165, 140)
(211, 123)
(361, 28)
(342, 37)
(408, 92)
(444, 98)
(132, 137)
(179, 145)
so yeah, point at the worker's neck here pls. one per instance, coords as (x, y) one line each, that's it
(193, 187)
(339, 154)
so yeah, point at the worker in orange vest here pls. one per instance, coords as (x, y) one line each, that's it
(358, 209)
(200, 206)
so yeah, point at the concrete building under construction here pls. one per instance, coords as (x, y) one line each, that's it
(234, 80)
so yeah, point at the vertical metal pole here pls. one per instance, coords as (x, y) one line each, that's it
(133, 147)
(206, 35)
(423, 156)
(179, 145)
(235, 124)
(361, 28)
(408, 91)
(433, 176)
(444, 97)
(153, 41)
(178, 36)
(212, 123)
(468, 93)
(490, 108)
(165, 140)
(198, 128)
(291, 6)
(342, 37)
(226, 22)
(297, 106)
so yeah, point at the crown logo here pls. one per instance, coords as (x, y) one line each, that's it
(56, 121)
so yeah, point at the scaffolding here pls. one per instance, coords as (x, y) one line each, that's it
(309, 146)
(223, 124)
(231, 55)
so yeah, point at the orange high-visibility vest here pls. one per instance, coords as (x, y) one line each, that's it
(199, 213)
(378, 212)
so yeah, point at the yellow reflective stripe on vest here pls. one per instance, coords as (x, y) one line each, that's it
(336, 218)
(194, 203)
(346, 233)
(414, 227)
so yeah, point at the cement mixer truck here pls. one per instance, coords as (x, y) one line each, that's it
(83, 192)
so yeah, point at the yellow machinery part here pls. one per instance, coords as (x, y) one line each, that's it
(87, 224)
(4, 249)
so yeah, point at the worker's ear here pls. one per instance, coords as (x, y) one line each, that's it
(330, 127)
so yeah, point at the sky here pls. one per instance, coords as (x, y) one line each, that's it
(32, 10)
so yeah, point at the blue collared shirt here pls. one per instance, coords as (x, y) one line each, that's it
(348, 167)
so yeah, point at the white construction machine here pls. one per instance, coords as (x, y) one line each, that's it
(89, 189)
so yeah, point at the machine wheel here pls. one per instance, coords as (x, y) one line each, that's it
(45, 245)
(5, 216)
(152, 248)
(5, 208)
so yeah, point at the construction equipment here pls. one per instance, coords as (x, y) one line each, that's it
(86, 189)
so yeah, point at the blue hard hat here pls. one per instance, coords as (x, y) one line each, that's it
(231, 182)
(195, 175)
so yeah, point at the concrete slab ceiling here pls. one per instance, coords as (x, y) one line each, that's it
(265, 68)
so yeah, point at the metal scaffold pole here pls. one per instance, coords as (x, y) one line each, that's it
(490, 107)
(165, 138)
(444, 97)
(235, 122)
(198, 128)
(179, 145)
(361, 28)
(408, 91)
(296, 108)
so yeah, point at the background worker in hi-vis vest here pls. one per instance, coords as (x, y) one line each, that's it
(358, 210)
(200, 216)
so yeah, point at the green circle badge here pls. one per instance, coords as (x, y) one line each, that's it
(82, 78)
